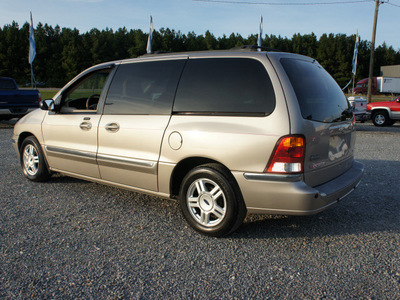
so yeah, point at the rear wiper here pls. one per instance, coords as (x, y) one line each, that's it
(348, 113)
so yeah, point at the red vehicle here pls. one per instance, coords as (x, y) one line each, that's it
(385, 113)
(362, 87)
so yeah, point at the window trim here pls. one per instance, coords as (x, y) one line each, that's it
(221, 114)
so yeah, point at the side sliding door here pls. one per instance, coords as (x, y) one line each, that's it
(136, 113)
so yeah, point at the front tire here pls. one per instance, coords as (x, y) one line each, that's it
(211, 201)
(33, 161)
(380, 118)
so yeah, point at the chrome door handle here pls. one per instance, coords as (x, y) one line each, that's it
(85, 125)
(112, 127)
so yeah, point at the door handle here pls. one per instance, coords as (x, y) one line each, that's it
(112, 127)
(85, 125)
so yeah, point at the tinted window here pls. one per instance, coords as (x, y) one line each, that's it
(228, 85)
(320, 98)
(144, 88)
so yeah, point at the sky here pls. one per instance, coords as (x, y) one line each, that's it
(219, 18)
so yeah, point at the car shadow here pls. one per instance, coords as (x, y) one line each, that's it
(58, 178)
(370, 127)
(7, 124)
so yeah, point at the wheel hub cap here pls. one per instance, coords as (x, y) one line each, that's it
(206, 202)
(379, 119)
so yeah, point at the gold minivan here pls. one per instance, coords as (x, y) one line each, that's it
(225, 132)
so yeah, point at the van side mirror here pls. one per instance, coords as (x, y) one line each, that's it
(47, 104)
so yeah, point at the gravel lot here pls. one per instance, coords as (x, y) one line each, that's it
(74, 239)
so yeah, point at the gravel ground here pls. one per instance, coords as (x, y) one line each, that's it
(74, 239)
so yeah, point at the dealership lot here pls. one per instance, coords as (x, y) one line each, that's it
(68, 238)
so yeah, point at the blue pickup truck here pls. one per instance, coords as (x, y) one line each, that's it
(14, 103)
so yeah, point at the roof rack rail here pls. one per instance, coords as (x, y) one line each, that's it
(253, 48)
(156, 52)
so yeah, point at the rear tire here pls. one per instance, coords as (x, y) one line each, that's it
(380, 118)
(33, 162)
(211, 201)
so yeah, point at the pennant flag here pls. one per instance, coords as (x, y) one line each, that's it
(150, 39)
(355, 54)
(32, 46)
(260, 32)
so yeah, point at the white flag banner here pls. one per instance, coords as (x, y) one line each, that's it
(32, 46)
(260, 32)
(355, 54)
(150, 39)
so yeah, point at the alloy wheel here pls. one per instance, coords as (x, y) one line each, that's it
(31, 160)
(206, 202)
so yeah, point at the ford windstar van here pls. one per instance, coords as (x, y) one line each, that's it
(225, 132)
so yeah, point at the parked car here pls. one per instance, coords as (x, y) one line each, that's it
(385, 113)
(360, 108)
(14, 103)
(227, 133)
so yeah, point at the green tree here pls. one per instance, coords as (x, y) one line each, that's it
(63, 53)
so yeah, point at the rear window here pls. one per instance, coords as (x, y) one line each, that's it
(319, 96)
(7, 84)
(225, 86)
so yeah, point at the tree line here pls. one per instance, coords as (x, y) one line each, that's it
(62, 53)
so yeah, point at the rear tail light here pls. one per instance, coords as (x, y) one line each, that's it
(288, 155)
(40, 97)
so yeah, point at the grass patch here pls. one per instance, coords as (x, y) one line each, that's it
(48, 93)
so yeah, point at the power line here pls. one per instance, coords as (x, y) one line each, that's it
(392, 4)
(287, 3)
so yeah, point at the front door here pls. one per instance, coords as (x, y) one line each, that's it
(70, 134)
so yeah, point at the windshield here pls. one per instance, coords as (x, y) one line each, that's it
(319, 96)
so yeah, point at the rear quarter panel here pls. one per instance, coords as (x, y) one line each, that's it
(323, 162)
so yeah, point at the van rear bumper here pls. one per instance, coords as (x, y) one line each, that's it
(290, 195)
